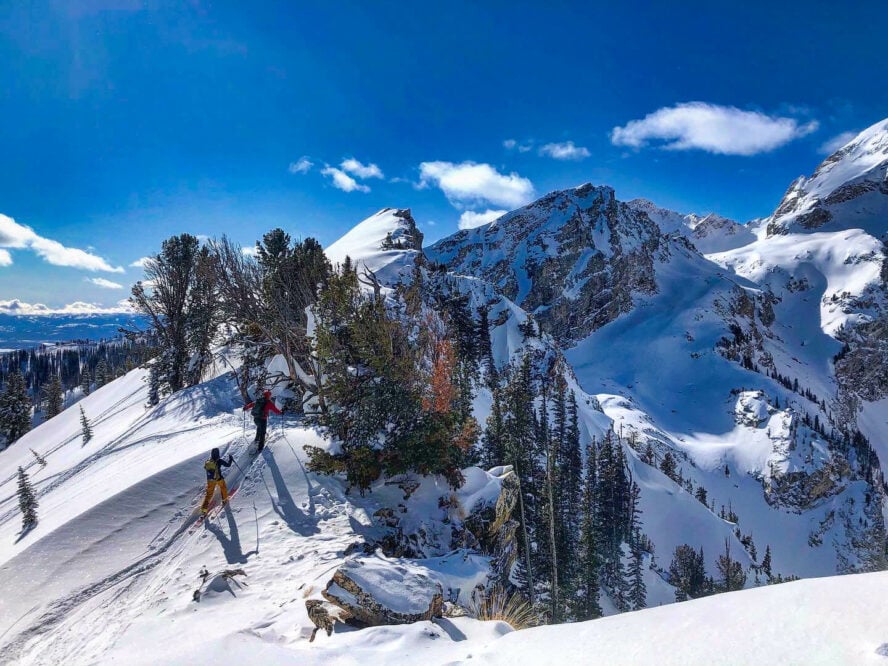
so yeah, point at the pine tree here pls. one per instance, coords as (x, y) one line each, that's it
(153, 384)
(687, 573)
(103, 375)
(40, 459)
(766, 563)
(588, 606)
(85, 429)
(701, 495)
(54, 398)
(15, 408)
(637, 587)
(27, 500)
(520, 452)
(485, 349)
(731, 574)
(85, 382)
(668, 465)
(495, 433)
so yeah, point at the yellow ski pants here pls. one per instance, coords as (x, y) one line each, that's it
(211, 490)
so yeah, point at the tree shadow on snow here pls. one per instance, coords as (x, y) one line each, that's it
(231, 545)
(297, 520)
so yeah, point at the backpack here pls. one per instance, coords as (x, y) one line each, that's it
(212, 468)
(258, 410)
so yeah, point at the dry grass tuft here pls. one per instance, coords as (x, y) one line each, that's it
(513, 609)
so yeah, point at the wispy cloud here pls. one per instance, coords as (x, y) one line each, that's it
(565, 151)
(17, 307)
(139, 263)
(342, 181)
(5, 258)
(470, 219)
(513, 144)
(470, 184)
(831, 146)
(363, 171)
(302, 165)
(724, 130)
(17, 236)
(104, 284)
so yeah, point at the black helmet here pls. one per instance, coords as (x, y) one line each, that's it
(214, 454)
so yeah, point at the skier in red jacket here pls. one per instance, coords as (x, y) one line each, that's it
(259, 409)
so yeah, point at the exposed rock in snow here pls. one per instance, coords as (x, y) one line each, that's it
(376, 591)
(848, 190)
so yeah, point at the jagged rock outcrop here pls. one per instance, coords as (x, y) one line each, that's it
(377, 591)
(574, 259)
(847, 190)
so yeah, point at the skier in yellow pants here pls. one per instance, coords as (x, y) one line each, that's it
(214, 466)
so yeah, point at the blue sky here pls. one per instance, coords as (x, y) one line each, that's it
(125, 122)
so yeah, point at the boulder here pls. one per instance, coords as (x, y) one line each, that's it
(378, 590)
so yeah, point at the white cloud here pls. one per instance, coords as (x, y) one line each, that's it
(139, 263)
(5, 258)
(302, 165)
(565, 151)
(470, 219)
(17, 307)
(831, 146)
(724, 130)
(18, 237)
(512, 144)
(105, 284)
(249, 251)
(470, 184)
(342, 181)
(352, 166)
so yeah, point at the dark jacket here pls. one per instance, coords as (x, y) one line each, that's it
(214, 466)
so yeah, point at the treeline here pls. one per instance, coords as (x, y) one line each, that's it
(42, 381)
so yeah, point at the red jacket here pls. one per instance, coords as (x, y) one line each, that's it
(269, 407)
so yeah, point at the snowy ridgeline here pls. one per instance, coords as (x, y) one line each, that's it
(738, 390)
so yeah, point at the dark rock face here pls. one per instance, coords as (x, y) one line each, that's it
(573, 259)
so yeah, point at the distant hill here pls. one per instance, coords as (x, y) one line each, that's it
(25, 331)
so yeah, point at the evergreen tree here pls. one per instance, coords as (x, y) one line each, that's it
(85, 429)
(85, 382)
(54, 398)
(485, 349)
(637, 587)
(687, 573)
(766, 563)
(587, 582)
(27, 500)
(15, 408)
(702, 496)
(731, 574)
(40, 459)
(520, 452)
(495, 432)
(103, 375)
(153, 385)
(668, 465)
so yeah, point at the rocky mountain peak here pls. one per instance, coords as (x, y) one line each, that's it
(848, 190)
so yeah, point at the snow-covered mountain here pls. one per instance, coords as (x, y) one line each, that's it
(751, 355)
